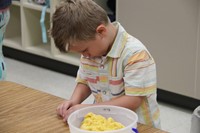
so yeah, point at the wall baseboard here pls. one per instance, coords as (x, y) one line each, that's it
(58, 66)
(177, 99)
(37, 60)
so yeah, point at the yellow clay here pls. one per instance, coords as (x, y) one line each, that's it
(93, 122)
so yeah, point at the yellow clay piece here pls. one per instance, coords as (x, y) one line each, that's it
(93, 122)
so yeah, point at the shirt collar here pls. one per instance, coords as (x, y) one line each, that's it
(119, 42)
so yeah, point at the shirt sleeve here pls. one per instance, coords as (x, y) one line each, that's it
(140, 74)
(80, 78)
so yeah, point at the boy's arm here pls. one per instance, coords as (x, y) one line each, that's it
(80, 93)
(130, 102)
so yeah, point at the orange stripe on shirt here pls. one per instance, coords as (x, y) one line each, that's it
(156, 114)
(114, 67)
(141, 56)
(138, 68)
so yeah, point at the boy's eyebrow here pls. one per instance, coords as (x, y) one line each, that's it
(83, 50)
(71, 1)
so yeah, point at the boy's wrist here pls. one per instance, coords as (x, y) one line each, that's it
(73, 102)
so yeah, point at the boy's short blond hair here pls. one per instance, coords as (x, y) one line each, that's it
(76, 20)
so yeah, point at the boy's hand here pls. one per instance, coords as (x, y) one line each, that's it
(72, 109)
(63, 107)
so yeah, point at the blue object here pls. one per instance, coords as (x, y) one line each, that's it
(4, 19)
(42, 20)
(135, 130)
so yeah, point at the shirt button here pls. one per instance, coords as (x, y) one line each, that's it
(102, 66)
(104, 92)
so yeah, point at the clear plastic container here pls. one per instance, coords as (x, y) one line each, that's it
(125, 116)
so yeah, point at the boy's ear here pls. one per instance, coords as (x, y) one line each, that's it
(101, 29)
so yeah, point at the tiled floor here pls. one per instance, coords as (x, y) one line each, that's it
(174, 119)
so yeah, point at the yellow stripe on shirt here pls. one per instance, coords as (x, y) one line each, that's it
(139, 91)
(146, 112)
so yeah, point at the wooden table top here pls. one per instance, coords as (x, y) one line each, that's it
(25, 110)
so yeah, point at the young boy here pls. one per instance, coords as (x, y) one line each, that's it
(4, 18)
(115, 67)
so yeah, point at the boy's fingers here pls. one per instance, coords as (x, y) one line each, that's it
(67, 113)
(58, 110)
(61, 109)
(64, 108)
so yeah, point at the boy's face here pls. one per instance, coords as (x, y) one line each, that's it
(91, 48)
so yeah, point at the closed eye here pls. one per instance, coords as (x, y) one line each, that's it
(83, 51)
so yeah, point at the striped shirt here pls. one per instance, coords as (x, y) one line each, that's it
(127, 69)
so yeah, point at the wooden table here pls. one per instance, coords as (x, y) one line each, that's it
(25, 110)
